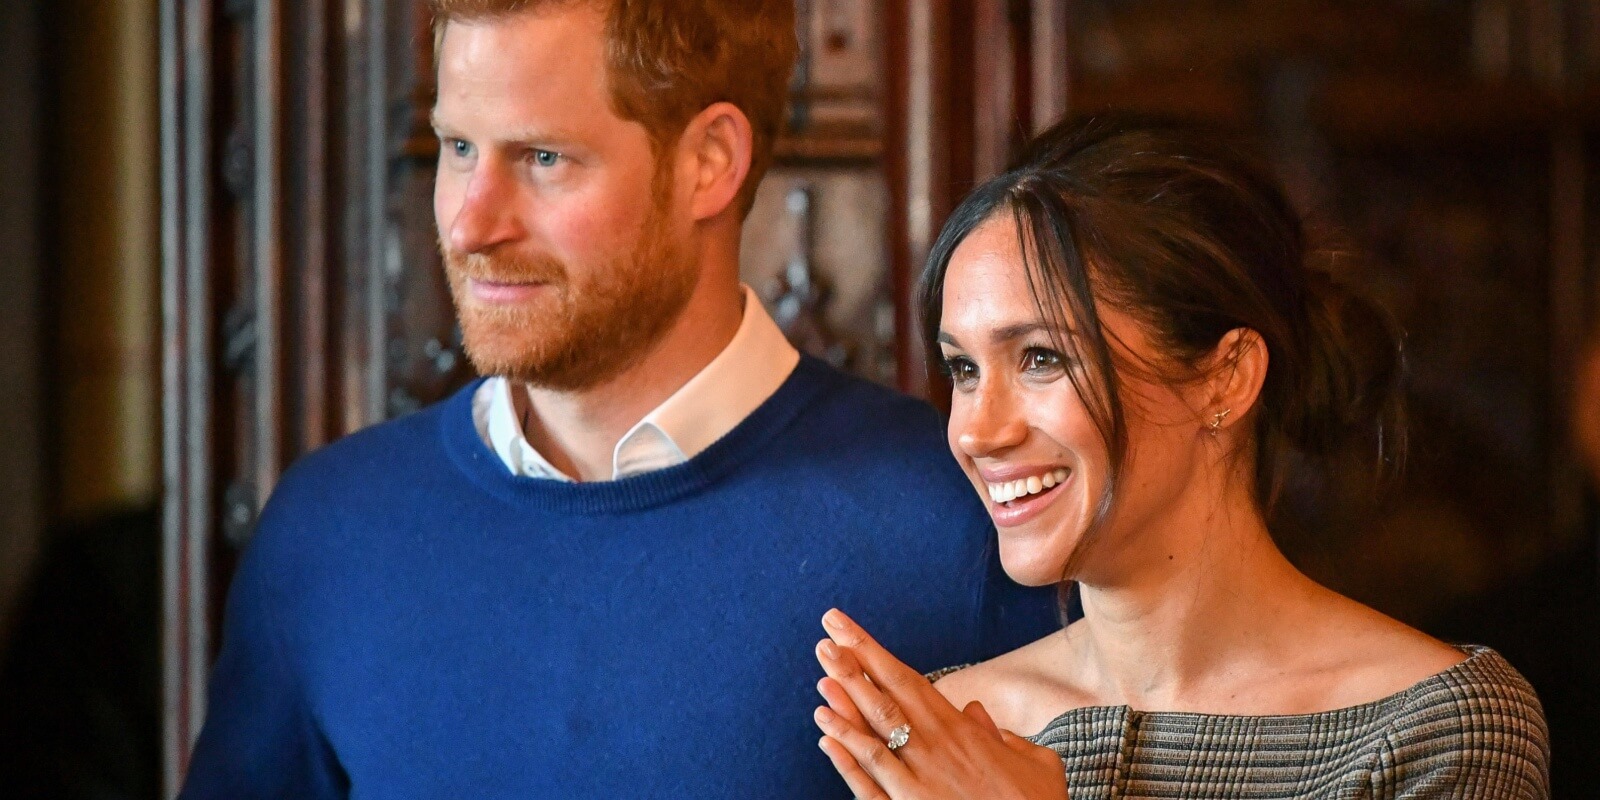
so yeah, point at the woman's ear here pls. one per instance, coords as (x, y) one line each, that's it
(1235, 372)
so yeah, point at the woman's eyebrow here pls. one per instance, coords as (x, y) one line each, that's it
(1011, 333)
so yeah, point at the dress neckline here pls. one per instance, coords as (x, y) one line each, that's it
(1478, 656)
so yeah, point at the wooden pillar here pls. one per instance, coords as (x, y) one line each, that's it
(1568, 322)
(188, 352)
(1051, 72)
(1001, 38)
(968, 81)
(928, 153)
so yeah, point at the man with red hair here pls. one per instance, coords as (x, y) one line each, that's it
(598, 571)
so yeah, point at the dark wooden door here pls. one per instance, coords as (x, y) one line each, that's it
(1450, 148)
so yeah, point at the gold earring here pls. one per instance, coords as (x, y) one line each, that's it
(1217, 418)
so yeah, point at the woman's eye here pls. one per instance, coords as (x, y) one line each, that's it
(545, 158)
(960, 370)
(1040, 360)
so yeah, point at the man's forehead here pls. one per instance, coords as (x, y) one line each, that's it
(515, 67)
(542, 46)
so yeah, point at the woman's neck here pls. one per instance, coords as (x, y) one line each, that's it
(1194, 605)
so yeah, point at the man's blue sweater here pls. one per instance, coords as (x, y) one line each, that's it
(413, 621)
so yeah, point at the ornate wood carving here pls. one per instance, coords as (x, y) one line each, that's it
(798, 296)
(836, 108)
(301, 288)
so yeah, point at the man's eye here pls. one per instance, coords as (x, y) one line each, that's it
(459, 148)
(545, 158)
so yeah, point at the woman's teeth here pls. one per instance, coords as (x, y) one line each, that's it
(1022, 487)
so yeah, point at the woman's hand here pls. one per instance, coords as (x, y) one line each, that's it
(948, 753)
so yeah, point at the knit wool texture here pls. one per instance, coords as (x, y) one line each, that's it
(412, 620)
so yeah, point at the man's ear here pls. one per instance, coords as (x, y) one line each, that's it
(714, 158)
(1236, 371)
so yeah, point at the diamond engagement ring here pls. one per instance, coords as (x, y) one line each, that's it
(899, 736)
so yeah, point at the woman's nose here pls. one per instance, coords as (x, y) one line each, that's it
(989, 421)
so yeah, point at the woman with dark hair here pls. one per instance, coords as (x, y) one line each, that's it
(1138, 353)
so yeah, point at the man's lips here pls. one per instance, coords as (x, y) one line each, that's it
(503, 292)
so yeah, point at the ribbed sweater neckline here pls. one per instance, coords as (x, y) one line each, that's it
(640, 492)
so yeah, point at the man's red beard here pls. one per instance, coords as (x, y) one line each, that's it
(579, 332)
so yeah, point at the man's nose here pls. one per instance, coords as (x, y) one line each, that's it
(487, 217)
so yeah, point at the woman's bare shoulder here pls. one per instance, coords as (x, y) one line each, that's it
(1366, 655)
(1022, 690)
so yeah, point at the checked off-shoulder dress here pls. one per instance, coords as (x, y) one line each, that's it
(1475, 730)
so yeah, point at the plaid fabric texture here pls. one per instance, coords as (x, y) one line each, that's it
(1475, 730)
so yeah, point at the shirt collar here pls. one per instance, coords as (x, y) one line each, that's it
(502, 430)
(747, 372)
(743, 376)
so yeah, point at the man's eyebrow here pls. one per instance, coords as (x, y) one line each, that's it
(527, 137)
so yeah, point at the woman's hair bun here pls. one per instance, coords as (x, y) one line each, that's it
(1351, 397)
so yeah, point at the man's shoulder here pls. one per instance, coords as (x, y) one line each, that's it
(389, 453)
(876, 411)
(859, 437)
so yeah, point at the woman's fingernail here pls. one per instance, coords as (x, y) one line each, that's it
(834, 619)
(824, 715)
(830, 650)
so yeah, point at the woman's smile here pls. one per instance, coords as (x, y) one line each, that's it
(1019, 495)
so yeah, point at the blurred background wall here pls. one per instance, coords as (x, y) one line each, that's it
(79, 399)
(103, 223)
(1449, 150)
(21, 333)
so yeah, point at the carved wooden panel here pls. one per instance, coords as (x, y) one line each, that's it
(837, 93)
(283, 176)
(815, 243)
(815, 250)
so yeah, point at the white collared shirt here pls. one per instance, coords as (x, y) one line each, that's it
(743, 376)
